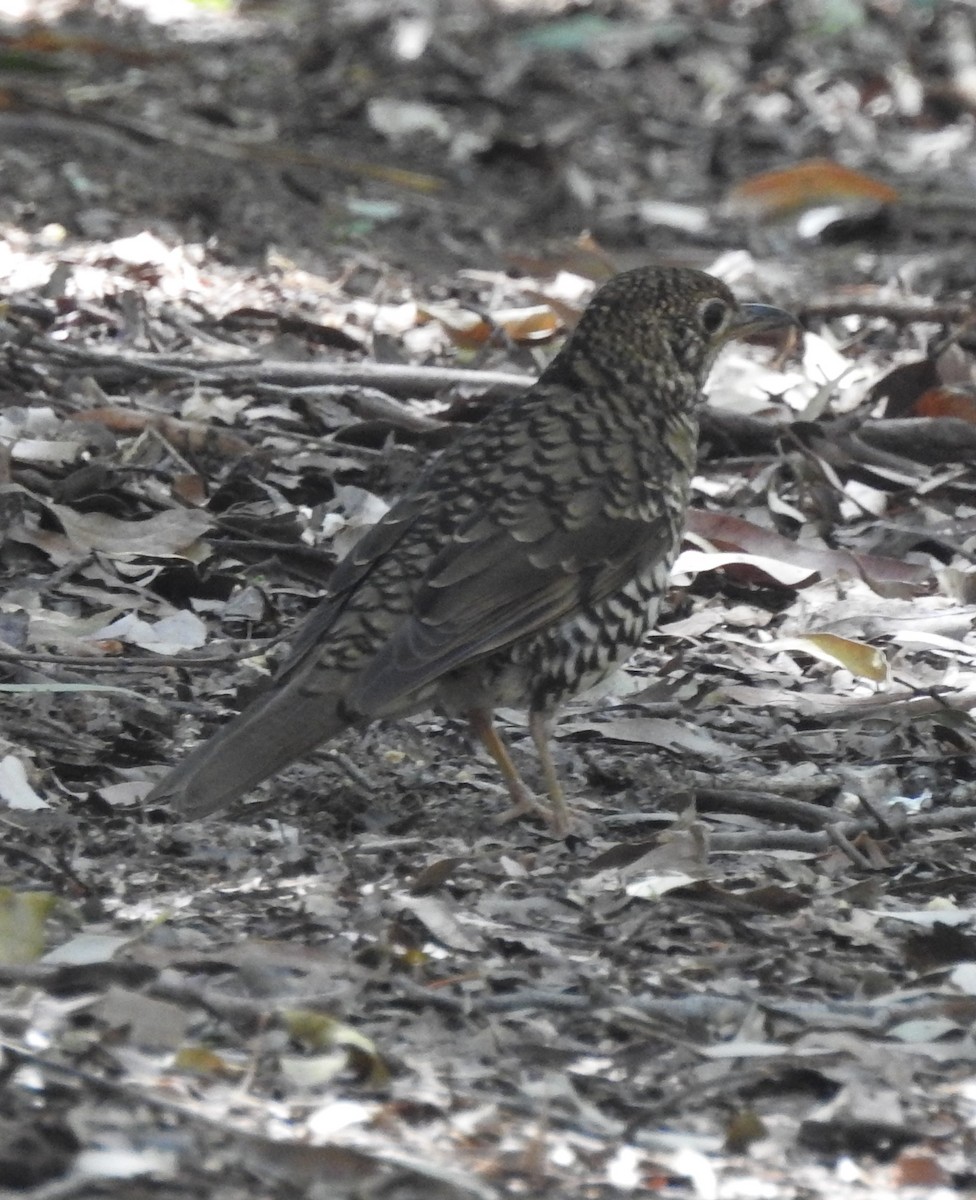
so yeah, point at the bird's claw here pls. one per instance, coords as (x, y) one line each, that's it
(527, 805)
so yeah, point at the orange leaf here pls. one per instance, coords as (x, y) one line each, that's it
(528, 324)
(810, 184)
(947, 402)
(919, 1170)
(469, 330)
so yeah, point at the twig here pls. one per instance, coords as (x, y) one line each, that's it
(769, 805)
(773, 839)
(398, 378)
(7, 654)
(885, 827)
(836, 834)
(900, 312)
(932, 440)
(364, 402)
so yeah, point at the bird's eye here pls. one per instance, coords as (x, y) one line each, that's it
(713, 314)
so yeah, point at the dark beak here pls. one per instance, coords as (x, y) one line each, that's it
(752, 319)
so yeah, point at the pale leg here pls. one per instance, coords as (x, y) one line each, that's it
(524, 802)
(560, 818)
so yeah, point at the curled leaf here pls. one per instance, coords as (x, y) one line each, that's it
(816, 183)
(863, 661)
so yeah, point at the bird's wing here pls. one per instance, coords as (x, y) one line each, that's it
(489, 588)
(351, 573)
(429, 514)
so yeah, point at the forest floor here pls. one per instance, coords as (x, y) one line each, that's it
(257, 265)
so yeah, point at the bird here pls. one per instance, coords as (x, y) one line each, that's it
(525, 563)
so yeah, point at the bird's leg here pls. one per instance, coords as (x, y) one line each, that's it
(523, 802)
(560, 818)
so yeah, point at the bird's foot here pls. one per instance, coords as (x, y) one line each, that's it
(557, 817)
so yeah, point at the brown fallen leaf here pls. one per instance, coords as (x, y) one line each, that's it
(919, 1170)
(186, 436)
(886, 576)
(469, 330)
(947, 402)
(814, 183)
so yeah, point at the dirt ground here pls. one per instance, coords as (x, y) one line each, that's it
(258, 264)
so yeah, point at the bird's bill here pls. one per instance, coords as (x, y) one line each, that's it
(751, 319)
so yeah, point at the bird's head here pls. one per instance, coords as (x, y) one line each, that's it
(661, 327)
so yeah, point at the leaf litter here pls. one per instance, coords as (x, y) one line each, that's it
(742, 975)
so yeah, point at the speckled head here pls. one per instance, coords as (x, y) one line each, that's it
(660, 326)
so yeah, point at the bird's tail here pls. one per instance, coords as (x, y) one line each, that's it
(277, 728)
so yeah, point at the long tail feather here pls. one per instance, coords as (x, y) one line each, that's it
(275, 730)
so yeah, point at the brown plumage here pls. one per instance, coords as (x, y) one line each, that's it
(525, 564)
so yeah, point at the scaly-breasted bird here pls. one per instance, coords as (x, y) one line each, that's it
(525, 564)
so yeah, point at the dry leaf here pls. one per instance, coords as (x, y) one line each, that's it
(168, 534)
(947, 402)
(886, 576)
(811, 184)
(863, 661)
(469, 330)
